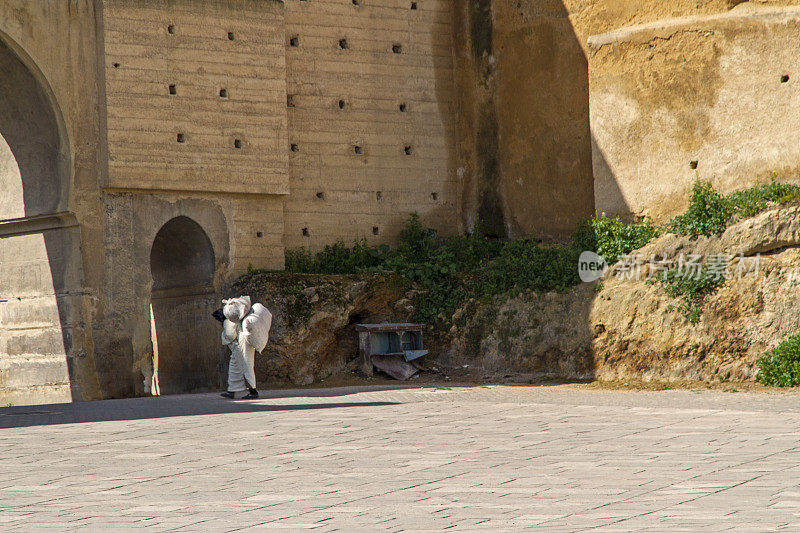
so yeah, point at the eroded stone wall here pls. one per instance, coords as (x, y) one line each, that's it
(371, 119)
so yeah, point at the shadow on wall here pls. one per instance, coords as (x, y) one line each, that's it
(526, 96)
(40, 263)
(607, 187)
(525, 91)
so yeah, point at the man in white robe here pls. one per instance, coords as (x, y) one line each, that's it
(245, 329)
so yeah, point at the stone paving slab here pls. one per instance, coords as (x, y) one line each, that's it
(550, 458)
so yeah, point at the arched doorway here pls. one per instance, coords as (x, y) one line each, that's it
(40, 252)
(185, 339)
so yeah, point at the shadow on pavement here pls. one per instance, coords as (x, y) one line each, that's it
(149, 408)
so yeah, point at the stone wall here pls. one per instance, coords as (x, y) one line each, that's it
(196, 102)
(196, 115)
(371, 119)
(50, 233)
(184, 82)
(276, 125)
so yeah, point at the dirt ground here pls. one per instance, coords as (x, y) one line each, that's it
(467, 377)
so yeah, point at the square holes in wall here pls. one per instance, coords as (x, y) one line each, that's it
(305, 232)
(358, 150)
(181, 138)
(294, 148)
(343, 45)
(397, 49)
(413, 6)
(403, 108)
(223, 93)
(379, 196)
(294, 41)
(237, 143)
(231, 36)
(321, 195)
(693, 165)
(289, 100)
(408, 150)
(259, 234)
(342, 104)
(375, 230)
(171, 29)
(784, 78)
(173, 90)
(435, 196)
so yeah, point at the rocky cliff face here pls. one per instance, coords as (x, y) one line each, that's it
(620, 328)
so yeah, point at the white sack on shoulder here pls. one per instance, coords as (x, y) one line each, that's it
(230, 332)
(256, 327)
(236, 309)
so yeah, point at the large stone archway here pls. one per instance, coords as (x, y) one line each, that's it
(40, 264)
(186, 349)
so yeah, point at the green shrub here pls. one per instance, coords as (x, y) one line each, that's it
(708, 213)
(300, 261)
(454, 269)
(443, 269)
(781, 366)
(526, 265)
(615, 238)
(337, 258)
(694, 288)
(752, 201)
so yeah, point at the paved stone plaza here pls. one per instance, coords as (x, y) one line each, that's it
(560, 458)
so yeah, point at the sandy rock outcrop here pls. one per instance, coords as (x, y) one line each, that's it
(313, 333)
(621, 328)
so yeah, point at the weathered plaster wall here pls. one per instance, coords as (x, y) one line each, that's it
(50, 226)
(196, 49)
(339, 51)
(224, 62)
(695, 96)
(592, 17)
